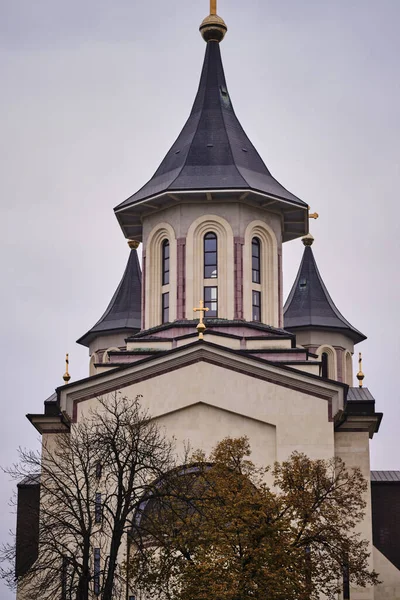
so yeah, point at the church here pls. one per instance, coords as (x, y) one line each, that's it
(200, 328)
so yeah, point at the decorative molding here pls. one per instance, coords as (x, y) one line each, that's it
(153, 287)
(187, 355)
(269, 287)
(181, 288)
(195, 268)
(238, 266)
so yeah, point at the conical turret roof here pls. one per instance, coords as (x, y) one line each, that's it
(123, 314)
(309, 305)
(213, 154)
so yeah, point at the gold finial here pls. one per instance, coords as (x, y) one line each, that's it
(213, 28)
(133, 244)
(201, 327)
(66, 375)
(312, 215)
(308, 240)
(360, 374)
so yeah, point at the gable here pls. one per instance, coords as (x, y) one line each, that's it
(301, 419)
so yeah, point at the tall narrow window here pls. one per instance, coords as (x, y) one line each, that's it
(256, 260)
(346, 581)
(96, 571)
(256, 312)
(211, 301)
(64, 575)
(324, 366)
(210, 256)
(97, 509)
(165, 307)
(165, 263)
(99, 470)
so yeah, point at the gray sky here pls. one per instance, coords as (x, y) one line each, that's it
(93, 95)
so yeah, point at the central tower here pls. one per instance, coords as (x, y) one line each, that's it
(212, 219)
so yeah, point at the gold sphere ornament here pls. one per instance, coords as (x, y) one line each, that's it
(133, 244)
(308, 240)
(213, 29)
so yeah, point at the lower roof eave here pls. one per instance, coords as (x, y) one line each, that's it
(359, 423)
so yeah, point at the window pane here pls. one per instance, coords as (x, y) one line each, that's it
(165, 307)
(256, 306)
(255, 247)
(96, 571)
(255, 260)
(165, 263)
(210, 272)
(210, 258)
(211, 301)
(98, 508)
(210, 245)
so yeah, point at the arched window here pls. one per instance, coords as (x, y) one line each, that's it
(165, 263)
(324, 366)
(256, 260)
(210, 256)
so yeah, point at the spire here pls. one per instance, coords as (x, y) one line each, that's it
(124, 311)
(212, 157)
(309, 305)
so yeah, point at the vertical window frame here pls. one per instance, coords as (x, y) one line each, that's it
(98, 508)
(165, 262)
(256, 307)
(211, 314)
(165, 308)
(256, 272)
(210, 235)
(96, 571)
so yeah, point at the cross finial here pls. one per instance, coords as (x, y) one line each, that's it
(312, 215)
(213, 7)
(360, 374)
(201, 327)
(66, 375)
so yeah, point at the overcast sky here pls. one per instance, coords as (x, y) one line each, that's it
(93, 94)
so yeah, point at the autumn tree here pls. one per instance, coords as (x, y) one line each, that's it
(215, 529)
(92, 480)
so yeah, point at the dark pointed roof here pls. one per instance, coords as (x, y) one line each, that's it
(213, 153)
(123, 314)
(309, 305)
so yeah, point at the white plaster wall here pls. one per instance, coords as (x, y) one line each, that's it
(353, 448)
(322, 338)
(301, 420)
(389, 589)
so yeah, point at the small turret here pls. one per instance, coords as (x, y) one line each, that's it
(123, 315)
(319, 326)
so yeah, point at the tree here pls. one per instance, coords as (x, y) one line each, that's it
(216, 530)
(92, 480)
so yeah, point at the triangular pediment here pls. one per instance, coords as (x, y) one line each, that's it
(178, 359)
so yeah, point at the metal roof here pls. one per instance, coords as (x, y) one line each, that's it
(359, 394)
(33, 479)
(124, 311)
(213, 153)
(385, 476)
(309, 304)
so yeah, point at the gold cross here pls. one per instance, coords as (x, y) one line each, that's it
(213, 7)
(201, 327)
(66, 375)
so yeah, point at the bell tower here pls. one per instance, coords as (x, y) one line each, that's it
(212, 218)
